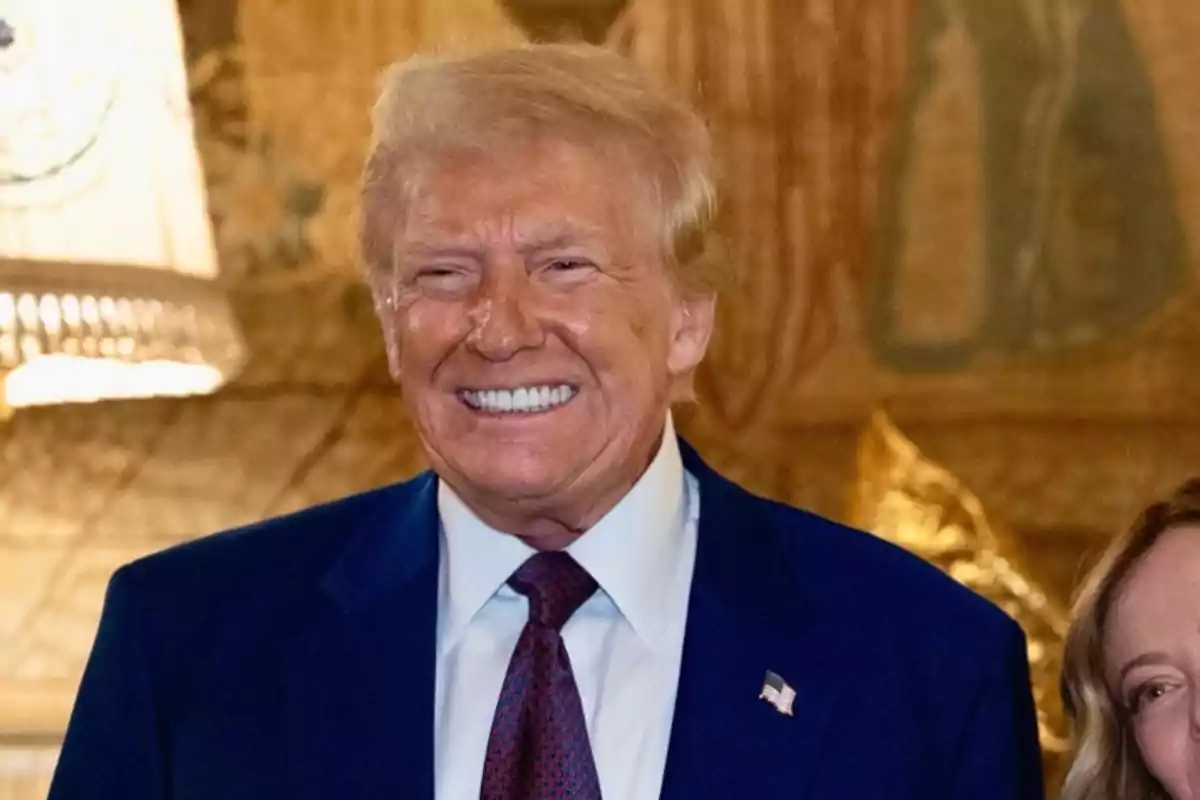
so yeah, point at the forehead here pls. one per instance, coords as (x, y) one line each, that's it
(539, 187)
(1158, 603)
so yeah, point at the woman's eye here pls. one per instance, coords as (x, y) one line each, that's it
(1146, 694)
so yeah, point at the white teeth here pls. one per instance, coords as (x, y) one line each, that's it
(524, 400)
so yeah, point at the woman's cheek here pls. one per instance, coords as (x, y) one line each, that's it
(1166, 745)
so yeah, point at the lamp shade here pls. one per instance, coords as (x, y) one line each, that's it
(107, 261)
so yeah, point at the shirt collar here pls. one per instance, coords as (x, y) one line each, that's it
(629, 551)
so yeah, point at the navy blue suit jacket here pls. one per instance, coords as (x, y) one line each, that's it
(295, 659)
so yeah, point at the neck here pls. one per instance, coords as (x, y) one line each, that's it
(553, 523)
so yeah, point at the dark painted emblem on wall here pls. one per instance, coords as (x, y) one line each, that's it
(565, 20)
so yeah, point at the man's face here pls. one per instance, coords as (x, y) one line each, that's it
(534, 330)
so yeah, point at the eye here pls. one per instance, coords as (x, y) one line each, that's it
(568, 271)
(440, 279)
(569, 264)
(436, 271)
(1146, 694)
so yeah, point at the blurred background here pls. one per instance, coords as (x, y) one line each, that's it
(967, 318)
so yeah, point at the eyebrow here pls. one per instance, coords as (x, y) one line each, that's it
(577, 239)
(426, 250)
(1152, 657)
(532, 245)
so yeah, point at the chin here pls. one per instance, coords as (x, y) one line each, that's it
(521, 475)
(531, 483)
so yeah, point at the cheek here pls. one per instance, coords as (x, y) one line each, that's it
(425, 327)
(1164, 742)
(618, 334)
(413, 319)
(420, 334)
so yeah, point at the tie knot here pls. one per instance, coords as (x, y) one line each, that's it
(556, 587)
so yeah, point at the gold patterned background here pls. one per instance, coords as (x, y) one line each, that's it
(982, 217)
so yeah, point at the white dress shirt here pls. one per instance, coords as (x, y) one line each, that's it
(625, 643)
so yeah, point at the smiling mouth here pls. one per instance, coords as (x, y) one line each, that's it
(525, 400)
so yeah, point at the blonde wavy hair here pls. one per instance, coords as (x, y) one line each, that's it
(1107, 764)
(509, 99)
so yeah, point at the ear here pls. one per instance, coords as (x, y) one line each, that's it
(692, 327)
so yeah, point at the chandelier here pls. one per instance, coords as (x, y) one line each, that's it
(107, 262)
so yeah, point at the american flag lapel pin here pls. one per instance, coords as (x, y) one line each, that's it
(778, 693)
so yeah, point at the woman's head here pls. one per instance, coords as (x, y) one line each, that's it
(1131, 667)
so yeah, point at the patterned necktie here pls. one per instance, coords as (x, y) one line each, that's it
(538, 748)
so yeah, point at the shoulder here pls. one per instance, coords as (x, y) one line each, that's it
(311, 534)
(256, 574)
(885, 593)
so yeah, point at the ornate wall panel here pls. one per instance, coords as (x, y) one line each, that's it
(801, 98)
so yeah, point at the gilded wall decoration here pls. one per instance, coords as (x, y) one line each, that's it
(903, 496)
(260, 203)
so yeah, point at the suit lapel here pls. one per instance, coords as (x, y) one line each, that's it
(360, 680)
(747, 615)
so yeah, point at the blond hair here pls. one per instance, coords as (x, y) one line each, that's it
(1106, 764)
(587, 96)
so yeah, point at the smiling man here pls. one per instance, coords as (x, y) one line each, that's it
(571, 604)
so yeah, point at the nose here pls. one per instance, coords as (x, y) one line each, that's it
(1194, 715)
(503, 323)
